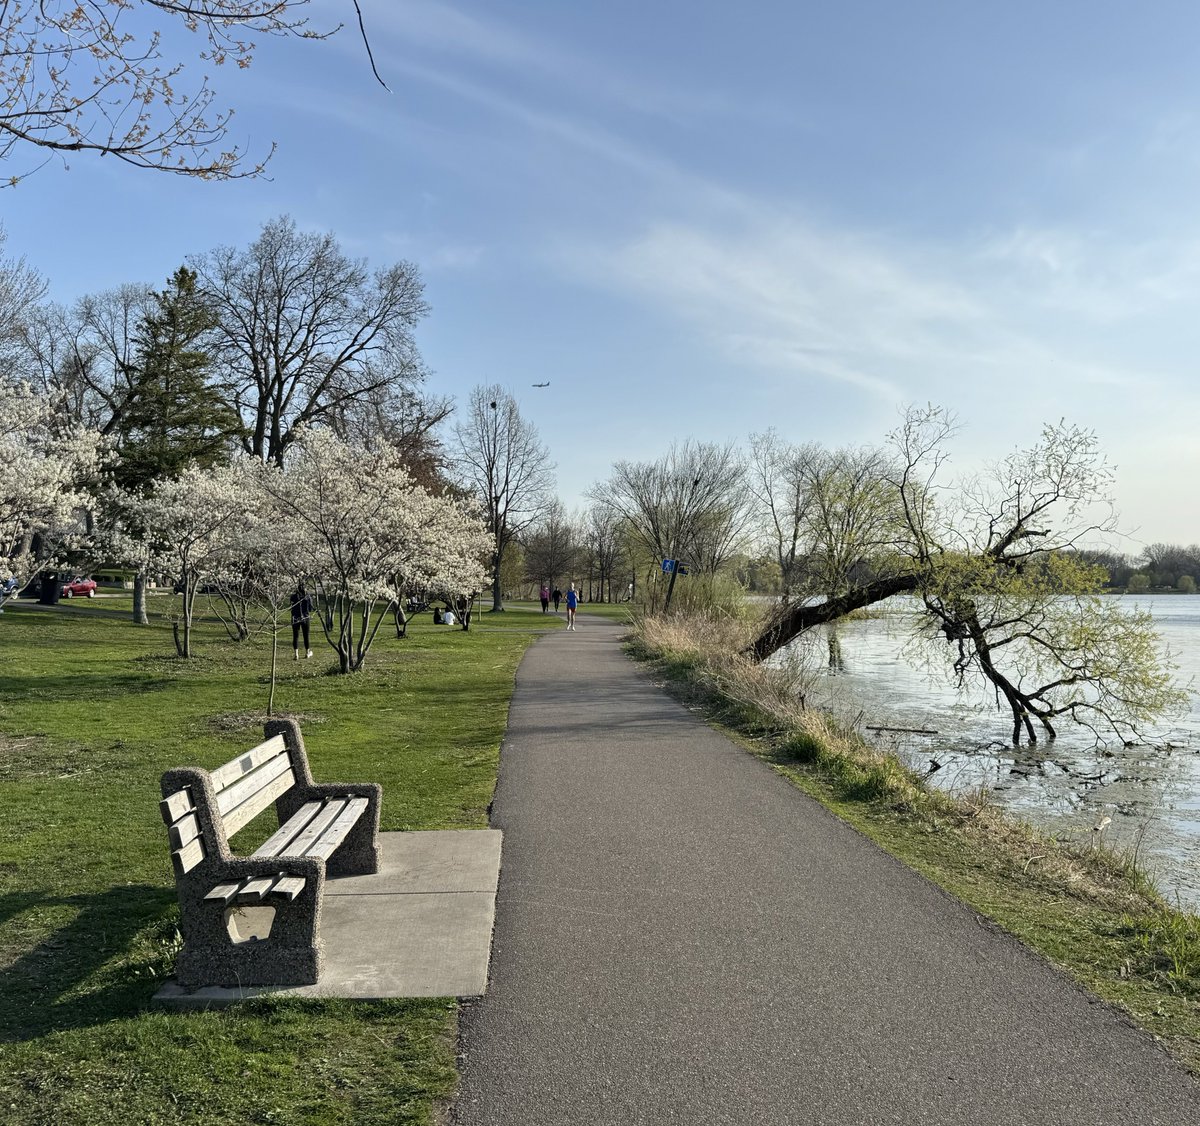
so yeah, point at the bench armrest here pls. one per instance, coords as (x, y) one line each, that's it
(320, 790)
(247, 867)
(298, 795)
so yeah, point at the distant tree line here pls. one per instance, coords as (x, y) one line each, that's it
(1160, 567)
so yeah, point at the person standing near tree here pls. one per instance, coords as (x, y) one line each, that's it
(572, 603)
(302, 608)
(544, 595)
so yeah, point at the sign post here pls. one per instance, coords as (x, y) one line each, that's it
(672, 567)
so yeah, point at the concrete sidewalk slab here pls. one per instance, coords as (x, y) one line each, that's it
(420, 927)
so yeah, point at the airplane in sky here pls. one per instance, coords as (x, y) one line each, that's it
(546, 384)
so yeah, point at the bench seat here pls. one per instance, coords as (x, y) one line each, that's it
(315, 829)
(323, 829)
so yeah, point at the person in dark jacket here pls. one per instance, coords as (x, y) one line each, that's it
(302, 608)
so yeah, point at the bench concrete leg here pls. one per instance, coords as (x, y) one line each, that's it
(291, 954)
(248, 965)
(359, 853)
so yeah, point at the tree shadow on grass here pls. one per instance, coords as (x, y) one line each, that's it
(104, 961)
(69, 685)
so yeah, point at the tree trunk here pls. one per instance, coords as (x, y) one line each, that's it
(274, 661)
(140, 583)
(794, 620)
(1024, 710)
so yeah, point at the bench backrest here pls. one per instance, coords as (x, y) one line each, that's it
(243, 788)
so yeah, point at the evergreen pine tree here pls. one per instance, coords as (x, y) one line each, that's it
(175, 418)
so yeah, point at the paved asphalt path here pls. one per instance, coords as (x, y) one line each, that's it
(682, 937)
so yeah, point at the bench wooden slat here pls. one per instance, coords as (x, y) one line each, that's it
(246, 790)
(186, 829)
(336, 833)
(186, 858)
(289, 887)
(231, 772)
(249, 810)
(175, 805)
(224, 892)
(315, 828)
(254, 891)
(277, 842)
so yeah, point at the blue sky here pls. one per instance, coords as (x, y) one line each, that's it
(701, 219)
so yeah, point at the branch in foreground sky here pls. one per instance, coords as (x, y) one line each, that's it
(94, 79)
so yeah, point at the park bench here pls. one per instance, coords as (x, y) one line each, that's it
(255, 920)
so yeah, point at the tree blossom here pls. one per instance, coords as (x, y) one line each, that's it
(44, 486)
(192, 527)
(370, 533)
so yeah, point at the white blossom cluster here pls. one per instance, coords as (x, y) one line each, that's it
(366, 530)
(46, 471)
(350, 520)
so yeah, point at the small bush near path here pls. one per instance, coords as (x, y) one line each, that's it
(1091, 911)
(92, 710)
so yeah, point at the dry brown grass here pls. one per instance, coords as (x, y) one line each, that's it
(701, 658)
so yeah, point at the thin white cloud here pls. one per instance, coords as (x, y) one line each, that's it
(446, 30)
(599, 142)
(1093, 273)
(901, 321)
(788, 296)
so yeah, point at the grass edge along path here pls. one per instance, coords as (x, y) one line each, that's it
(1092, 912)
(92, 709)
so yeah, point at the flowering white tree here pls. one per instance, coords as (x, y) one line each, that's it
(192, 527)
(370, 532)
(44, 485)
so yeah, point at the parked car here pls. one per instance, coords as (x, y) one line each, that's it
(8, 587)
(79, 586)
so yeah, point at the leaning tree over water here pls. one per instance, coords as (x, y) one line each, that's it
(993, 563)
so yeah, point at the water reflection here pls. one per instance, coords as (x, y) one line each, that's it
(1151, 792)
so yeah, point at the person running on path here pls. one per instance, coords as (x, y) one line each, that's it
(544, 595)
(557, 596)
(572, 603)
(302, 608)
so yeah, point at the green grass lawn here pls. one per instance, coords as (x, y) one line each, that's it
(614, 611)
(92, 710)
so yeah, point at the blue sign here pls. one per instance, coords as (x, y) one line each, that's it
(668, 566)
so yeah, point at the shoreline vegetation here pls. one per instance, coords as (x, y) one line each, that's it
(1092, 911)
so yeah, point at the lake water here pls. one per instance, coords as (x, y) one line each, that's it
(1151, 792)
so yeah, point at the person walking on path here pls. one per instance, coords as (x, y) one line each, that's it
(544, 595)
(302, 608)
(572, 604)
(557, 596)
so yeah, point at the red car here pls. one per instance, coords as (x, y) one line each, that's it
(79, 586)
